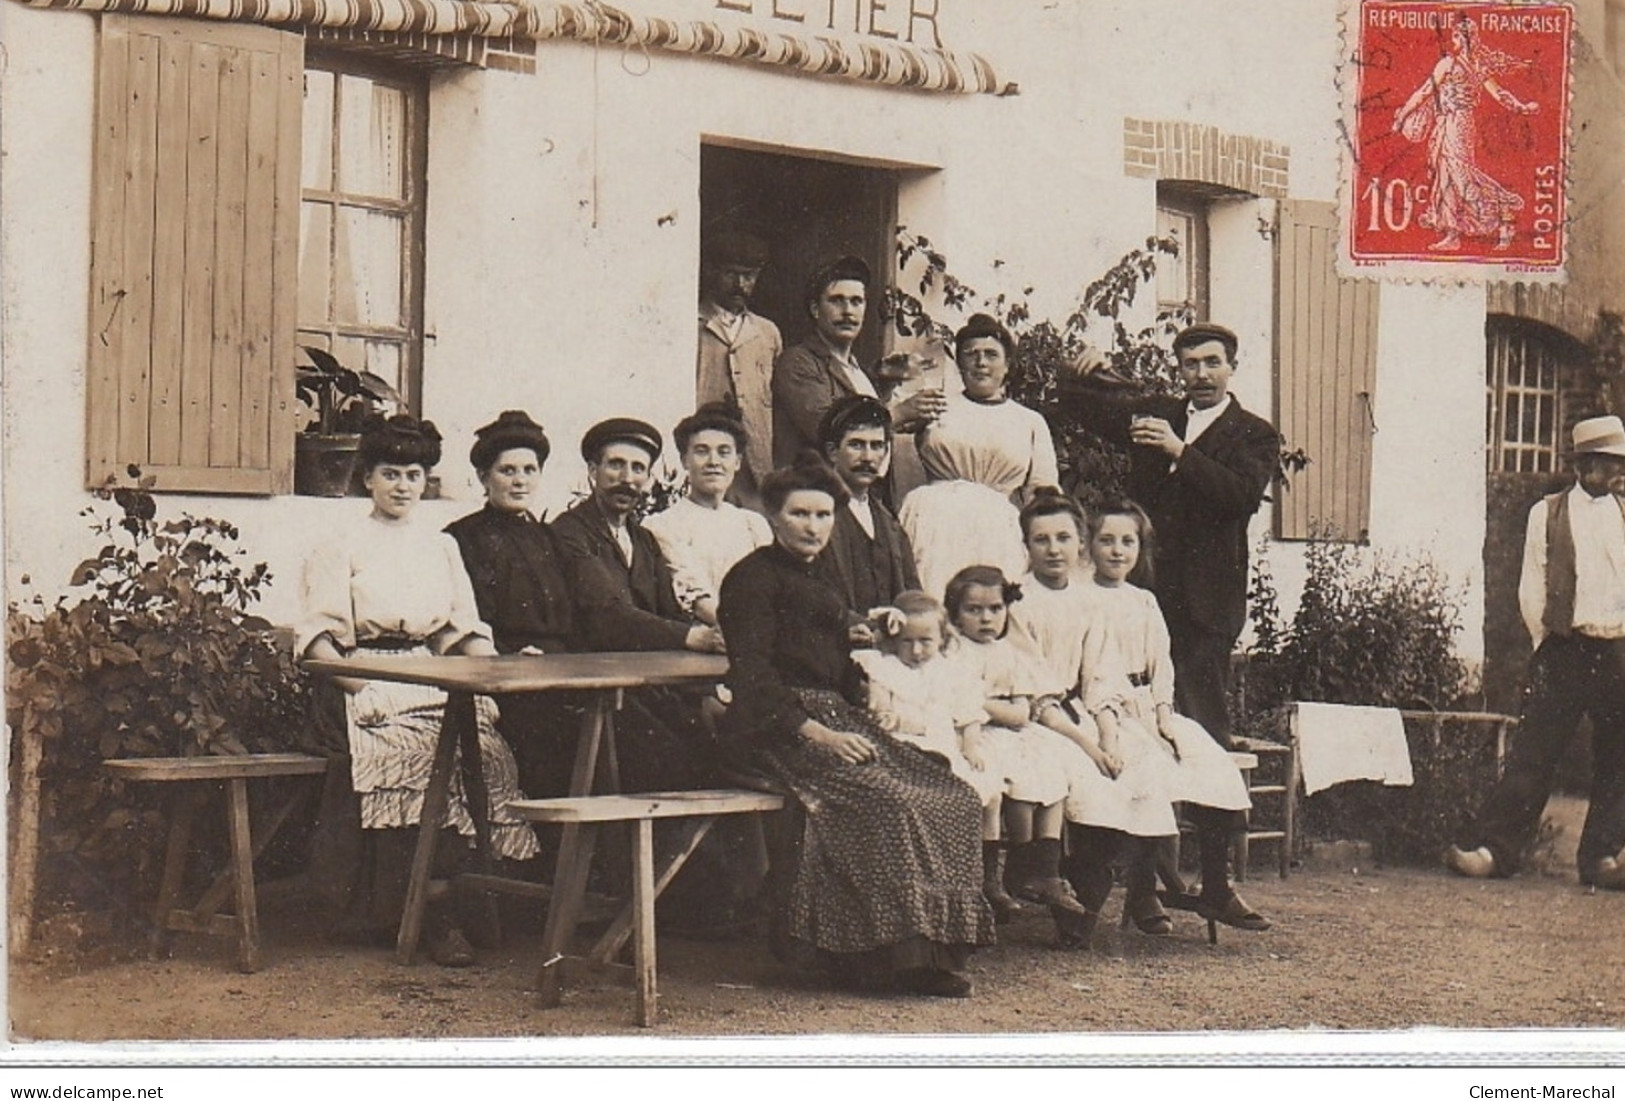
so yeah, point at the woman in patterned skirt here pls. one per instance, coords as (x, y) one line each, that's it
(889, 882)
(390, 584)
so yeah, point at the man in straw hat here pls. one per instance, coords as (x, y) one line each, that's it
(1572, 596)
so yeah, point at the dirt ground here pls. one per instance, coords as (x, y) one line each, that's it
(1353, 948)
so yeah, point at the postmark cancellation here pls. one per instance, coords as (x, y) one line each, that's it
(1456, 140)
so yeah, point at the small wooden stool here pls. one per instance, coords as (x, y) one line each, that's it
(637, 919)
(189, 773)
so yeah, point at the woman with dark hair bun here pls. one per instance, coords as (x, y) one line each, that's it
(390, 584)
(888, 891)
(983, 457)
(520, 588)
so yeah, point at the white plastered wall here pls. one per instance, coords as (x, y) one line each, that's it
(563, 229)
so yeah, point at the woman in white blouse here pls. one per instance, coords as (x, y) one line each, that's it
(701, 534)
(390, 584)
(983, 457)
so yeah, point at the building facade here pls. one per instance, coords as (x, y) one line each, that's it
(500, 206)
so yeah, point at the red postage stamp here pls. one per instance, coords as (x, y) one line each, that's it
(1458, 141)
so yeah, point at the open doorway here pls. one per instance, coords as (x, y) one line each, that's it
(808, 211)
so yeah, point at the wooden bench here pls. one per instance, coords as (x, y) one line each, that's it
(190, 774)
(587, 813)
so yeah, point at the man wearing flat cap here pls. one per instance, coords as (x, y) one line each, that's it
(624, 600)
(868, 557)
(1572, 596)
(620, 579)
(1199, 465)
(737, 349)
(808, 378)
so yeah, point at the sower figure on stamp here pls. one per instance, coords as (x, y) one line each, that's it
(1572, 596)
(1199, 466)
(737, 349)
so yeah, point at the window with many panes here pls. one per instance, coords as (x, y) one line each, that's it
(361, 218)
(1182, 280)
(1524, 400)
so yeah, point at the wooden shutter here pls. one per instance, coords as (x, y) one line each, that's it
(1325, 378)
(193, 247)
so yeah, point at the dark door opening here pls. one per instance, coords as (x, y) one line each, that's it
(808, 211)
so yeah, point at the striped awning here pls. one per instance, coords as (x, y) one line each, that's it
(887, 63)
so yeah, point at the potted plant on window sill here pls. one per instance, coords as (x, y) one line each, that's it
(342, 401)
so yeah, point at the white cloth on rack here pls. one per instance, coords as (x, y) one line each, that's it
(1339, 742)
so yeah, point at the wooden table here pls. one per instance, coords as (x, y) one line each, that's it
(189, 773)
(602, 677)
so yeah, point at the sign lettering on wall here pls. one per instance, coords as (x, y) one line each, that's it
(911, 21)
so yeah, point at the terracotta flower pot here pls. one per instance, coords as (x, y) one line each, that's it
(324, 466)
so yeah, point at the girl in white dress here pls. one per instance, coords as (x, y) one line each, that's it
(1038, 761)
(1129, 682)
(918, 697)
(1125, 807)
(983, 456)
(389, 584)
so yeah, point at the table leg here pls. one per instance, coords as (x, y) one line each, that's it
(183, 810)
(461, 710)
(434, 814)
(564, 909)
(242, 862)
(576, 843)
(643, 905)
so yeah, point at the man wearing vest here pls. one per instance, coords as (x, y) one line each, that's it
(1572, 596)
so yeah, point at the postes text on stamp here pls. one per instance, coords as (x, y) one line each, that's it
(1458, 140)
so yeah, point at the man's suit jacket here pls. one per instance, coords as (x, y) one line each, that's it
(743, 372)
(839, 564)
(1201, 508)
(617, 606)
(806, 382)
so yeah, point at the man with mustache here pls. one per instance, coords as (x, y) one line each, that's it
(868, 558)
(620, 579)
(809, 377)
(1199, 466)
(621, 585)
(736, 350)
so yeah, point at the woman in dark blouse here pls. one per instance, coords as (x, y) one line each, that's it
(521, 592)
(889, 878)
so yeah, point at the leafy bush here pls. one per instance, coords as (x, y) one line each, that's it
(1379, 632)
(1091, 469)
(1375, 631)
(155, 654)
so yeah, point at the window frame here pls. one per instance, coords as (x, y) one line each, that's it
(1508, 342)
(413, 81)
(1192, 206)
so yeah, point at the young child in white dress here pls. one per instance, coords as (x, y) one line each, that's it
(918, 697)
(1129, 682)
(1124, 808)
(1038, 762)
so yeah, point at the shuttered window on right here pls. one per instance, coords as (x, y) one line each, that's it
(1325, 379)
